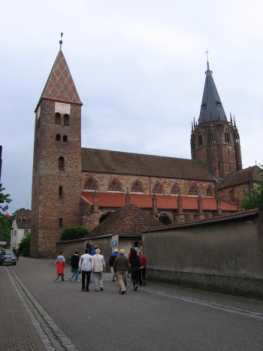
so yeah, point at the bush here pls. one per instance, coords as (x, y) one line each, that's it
(254, 199)
(74, 233)
(24, 246)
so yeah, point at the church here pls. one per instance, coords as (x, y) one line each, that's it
(74, 185)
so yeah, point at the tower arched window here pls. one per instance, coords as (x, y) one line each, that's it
(200, 140)
(210, 139)
(61, 163)
(193, 190)
(115, 185)
(158, 188)
(175, 189)
(58, 137)
(91, 184)
(66, 120)
(57, 118)
(65, 138)
(60, 192)
(227, 138)
(137, 186)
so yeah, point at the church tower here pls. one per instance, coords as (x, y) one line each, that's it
(214, 139)
(56, 183)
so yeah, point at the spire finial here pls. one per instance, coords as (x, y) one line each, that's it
(61, 41)
(207, 60)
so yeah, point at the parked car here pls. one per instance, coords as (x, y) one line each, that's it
(8, 258)
(2, 254)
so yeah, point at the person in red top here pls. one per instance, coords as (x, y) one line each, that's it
(143, 267)
(60, 265)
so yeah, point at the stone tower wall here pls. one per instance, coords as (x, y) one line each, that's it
(54, 210)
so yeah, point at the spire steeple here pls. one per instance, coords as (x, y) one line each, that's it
(211, 107)
(60, 85)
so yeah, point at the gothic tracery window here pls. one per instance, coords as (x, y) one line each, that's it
(66, 120)
(57, 118)
(158, 188)
(193, 190)
(115, 185)
(175, 189)
(91, 184)
(137, 186)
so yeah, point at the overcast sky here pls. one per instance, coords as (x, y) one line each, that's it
(139, 69)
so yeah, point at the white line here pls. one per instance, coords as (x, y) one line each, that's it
(65, 342)
(215, 306)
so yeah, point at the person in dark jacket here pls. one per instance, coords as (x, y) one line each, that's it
(121, 266)
(111, 264)
(74, 262)
(135, 268)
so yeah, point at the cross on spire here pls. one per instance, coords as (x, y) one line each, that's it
(61, 41)
(207, 60)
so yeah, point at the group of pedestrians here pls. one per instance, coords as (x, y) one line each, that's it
(92, 264)
(135, 265)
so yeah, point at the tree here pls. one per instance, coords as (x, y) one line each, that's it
(74, 233)
(24, 246)
(254, 199)
(5, 221)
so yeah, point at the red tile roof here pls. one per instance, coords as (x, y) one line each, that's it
(116, 200)
(60, 85)
(246, 175)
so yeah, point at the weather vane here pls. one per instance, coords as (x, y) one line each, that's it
(207, 60)
(61, 41)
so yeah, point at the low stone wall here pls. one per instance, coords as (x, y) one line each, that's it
(224, 255)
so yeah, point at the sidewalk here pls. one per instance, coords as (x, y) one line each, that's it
(17, 333)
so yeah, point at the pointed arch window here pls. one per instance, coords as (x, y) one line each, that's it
(61, 163)
(193, 190)
(115, 185)
(158, 188)
(200, 140)
(137, 186)
(58, 137)
(65, 138)
(210, 191)
(91, 184)
(175, 189)
(66, 120)
(57, 118)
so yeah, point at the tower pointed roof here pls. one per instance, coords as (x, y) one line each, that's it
(211, 107)
(60, 85)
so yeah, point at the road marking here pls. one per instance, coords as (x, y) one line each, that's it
(211, 305)
(51, 335)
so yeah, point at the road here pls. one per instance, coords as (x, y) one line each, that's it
(38, 313)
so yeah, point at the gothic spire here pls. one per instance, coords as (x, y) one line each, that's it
(60, 85)
(211, 107)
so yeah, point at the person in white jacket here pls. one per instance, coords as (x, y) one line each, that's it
(98, 264)
(85, 266)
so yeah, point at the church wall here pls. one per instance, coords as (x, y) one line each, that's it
(147, 182)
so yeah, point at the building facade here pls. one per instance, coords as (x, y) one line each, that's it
(73, 185)
(21, 226)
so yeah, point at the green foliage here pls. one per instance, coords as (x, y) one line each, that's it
(74, 233)
(254, 199)
(5, 222)
(24, 246)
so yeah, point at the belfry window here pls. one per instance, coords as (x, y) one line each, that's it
(66, 120)
(65, 138)
(57, 118)
(227, 138)
(58, 137)
(61, 163)
(200, 140)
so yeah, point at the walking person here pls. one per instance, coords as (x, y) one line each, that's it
(135, 268)
(60, 266)
(121, 266)
(98, 264)
(143, 266)
(85, 266)
(111, 264)
(74, 262)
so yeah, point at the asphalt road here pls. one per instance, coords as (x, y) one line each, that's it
(157, 317)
